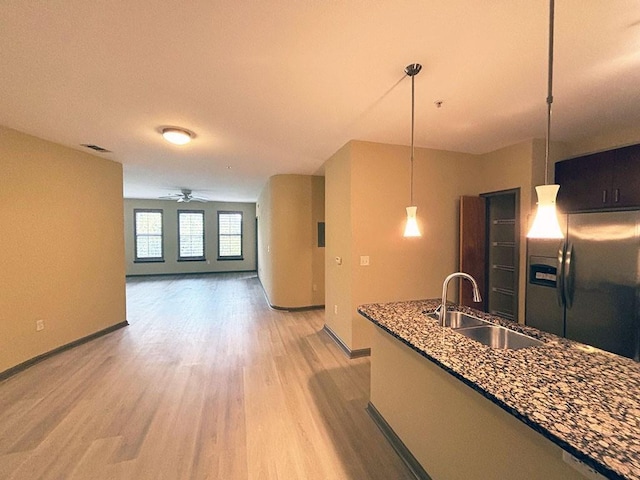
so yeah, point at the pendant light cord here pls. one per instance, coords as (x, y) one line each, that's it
(412, 70)
(549, 93)
(412, 128)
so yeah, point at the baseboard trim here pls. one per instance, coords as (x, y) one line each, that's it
(296, 309)
(286, 309)
(361, 352)
(24, 365)
(401, 449)
(174, 274)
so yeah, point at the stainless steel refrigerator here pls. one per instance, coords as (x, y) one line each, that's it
(587, 287)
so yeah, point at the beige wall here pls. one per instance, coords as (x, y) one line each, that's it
(604, 141)
(452, 430)
(338, 310)
(403, 268)
(171, 265)
(317, 253)
(264, 209)
(367, 192)
(509, 168)
(62, 256)
(291, 265)
(523, 166)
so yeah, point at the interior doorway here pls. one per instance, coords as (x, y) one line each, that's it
(490, 250)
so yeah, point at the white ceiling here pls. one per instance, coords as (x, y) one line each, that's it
(275, 86)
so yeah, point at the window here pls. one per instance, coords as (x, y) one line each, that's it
(230, 235)
(191, 235)
(148, 235)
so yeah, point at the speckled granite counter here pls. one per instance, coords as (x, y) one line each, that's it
(585, 400)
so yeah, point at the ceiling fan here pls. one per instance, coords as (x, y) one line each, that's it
(185, 196)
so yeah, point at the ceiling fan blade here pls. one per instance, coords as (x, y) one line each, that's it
(184, 197)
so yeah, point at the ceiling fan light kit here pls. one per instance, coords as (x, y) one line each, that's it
(177, 136)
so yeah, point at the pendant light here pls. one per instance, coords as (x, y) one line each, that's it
(411, 228)
(545, 223)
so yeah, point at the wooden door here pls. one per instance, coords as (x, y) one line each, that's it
(472, 248)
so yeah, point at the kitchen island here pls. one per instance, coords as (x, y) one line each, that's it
(465, 410)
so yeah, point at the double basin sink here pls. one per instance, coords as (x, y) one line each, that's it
(487, 333)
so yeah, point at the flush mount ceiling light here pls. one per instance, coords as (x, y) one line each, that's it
(177, 136)
(545, 224)
(411, 228)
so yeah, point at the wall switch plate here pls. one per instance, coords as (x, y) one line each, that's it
(335, 309)
(39, 325)
(364, 260)
(315, 287)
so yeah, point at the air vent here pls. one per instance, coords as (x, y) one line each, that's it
(97, 148)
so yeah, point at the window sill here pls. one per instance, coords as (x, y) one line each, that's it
(149, 260)
(222, 259)
(192, 259)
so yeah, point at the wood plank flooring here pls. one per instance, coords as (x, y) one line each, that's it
(207, 382)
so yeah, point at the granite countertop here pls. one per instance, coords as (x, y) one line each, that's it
(585, 400)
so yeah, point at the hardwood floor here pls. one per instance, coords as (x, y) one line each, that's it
(207, 382)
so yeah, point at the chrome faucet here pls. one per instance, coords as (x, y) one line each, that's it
(443, 306)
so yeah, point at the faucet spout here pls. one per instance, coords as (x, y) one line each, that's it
(445, 285)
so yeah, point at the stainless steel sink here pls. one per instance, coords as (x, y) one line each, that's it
(499, 337)
(486, 333)
(459, 320)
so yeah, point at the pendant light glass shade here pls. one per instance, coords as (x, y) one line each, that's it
(411, 228)
(545, 224)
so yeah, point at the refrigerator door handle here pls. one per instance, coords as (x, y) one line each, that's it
(568, 276)
(560, 275)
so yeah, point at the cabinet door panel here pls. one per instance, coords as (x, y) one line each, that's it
(626, 177)
(585, 182)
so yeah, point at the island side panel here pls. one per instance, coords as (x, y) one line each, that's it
(452, 430)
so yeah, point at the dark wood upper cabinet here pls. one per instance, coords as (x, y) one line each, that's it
(626, 177)
(605, 180)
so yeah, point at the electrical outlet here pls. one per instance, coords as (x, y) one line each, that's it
(364, 260)
(315, 287)
(335, 309)
(39, 325)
